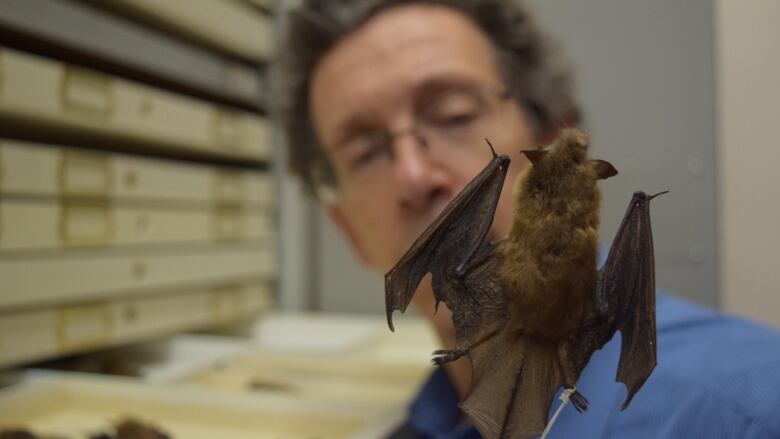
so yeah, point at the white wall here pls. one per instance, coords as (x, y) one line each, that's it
(748, 84)
(298, 220)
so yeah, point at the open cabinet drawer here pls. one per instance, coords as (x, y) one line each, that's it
(75, 407)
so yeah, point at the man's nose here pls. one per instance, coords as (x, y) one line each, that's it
(419, 180)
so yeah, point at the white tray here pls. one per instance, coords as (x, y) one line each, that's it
(325, 357)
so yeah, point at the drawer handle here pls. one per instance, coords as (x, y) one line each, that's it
(130, 314)
(227, 130)
(131, 179)
(139, 270)
(143, 225)
(228, 223)
(229, 186)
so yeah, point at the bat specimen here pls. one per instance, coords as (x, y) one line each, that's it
(530, 310)
(132, 429)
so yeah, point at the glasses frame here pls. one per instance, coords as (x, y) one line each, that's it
(329, 191)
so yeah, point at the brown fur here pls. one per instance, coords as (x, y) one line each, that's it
(548, 262)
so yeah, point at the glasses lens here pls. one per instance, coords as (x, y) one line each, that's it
(459, 118)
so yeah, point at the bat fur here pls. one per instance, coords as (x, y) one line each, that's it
(548, 262)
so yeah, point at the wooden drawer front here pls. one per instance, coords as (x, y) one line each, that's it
(232, 302)
(32, 169)
(148, 316)
(28, 282)
(231, 26)
(34, 335)
(51, 94)
(65, 405)
(26, 225)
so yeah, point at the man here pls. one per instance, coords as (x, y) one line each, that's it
(386, 104)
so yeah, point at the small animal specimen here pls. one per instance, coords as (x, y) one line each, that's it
(24, 434)
(126, 429)
(17, 434)
(133, 429)
(530, 310)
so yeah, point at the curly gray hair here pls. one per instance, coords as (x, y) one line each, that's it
(530, 62)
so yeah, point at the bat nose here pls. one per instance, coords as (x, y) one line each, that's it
(417, 179)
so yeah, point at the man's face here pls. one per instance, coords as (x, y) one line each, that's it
(385, 77)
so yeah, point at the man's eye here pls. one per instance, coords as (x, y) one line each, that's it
(364, 152)
(366, 157)
(457, 119)
(454, 121)
(456, 109)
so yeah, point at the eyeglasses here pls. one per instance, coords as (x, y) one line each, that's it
(455, 120)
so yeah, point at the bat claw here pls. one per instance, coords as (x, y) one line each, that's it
(442, 356)
(491, 147)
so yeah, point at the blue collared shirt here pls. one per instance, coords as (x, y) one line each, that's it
(717, 377)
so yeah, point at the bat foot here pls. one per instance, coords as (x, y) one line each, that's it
(570, 394)
(442, 356)
(577, 399)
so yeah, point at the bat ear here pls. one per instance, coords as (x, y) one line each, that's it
(604, 169)
(534, 155)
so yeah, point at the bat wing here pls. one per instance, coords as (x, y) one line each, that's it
(627, 295)
(449, 247)
(514, 382)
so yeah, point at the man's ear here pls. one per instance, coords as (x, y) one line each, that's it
(336, 215)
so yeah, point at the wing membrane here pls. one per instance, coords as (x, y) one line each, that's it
(628, 287)
(454, 238)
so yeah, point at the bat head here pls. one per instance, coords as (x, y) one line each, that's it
(570, 148)
(561, 181)
(567, 153)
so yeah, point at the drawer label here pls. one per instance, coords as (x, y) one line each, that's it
(83, 327)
